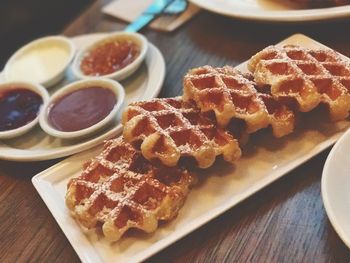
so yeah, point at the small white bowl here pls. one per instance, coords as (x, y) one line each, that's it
(114, 86)
(122, 73)
(42, 61)
(40, 90)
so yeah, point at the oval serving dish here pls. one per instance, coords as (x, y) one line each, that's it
(67, 115)
(28, 105)
(116, 56)
(42, 61)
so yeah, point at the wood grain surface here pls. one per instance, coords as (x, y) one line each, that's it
(285, 222)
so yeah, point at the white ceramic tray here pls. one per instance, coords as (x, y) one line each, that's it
(335, 187)
(271, 10)
(36, 145)
(222, 187)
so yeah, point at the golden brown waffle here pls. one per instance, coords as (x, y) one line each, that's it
(232, 95)
(170, 129)
(226, 92)
(305, 76)
(281, 118)
(119, 190)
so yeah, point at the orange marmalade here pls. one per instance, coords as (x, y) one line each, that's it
(109, 57)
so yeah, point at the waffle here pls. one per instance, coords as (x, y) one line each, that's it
(281, 118)
(232, 95)
(305, 77)
(119, 190)
(170, 129)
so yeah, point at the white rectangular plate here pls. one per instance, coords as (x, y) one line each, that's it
(223, 187)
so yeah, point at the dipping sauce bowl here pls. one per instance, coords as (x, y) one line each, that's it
(81, 108)
(43, 61)
(20, 106)
(115, 56)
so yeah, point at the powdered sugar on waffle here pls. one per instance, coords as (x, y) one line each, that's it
(232, 95)
(305, 76)
(168, 129)
(120, 190)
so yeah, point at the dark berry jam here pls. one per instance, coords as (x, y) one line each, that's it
(18, 107)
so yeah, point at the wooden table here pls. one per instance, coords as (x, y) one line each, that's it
(285, 222)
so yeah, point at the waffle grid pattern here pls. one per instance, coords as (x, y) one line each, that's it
(121, 190)
(169, 129)
(307, 76)
(232, 95)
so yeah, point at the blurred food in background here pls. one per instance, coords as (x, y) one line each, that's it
(26, 20)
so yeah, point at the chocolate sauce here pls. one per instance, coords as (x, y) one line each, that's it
(18, 107)
(81, 109)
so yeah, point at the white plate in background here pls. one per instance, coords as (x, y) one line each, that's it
(271, 10)
(336, 187)
(36, 145)
(224, 187)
